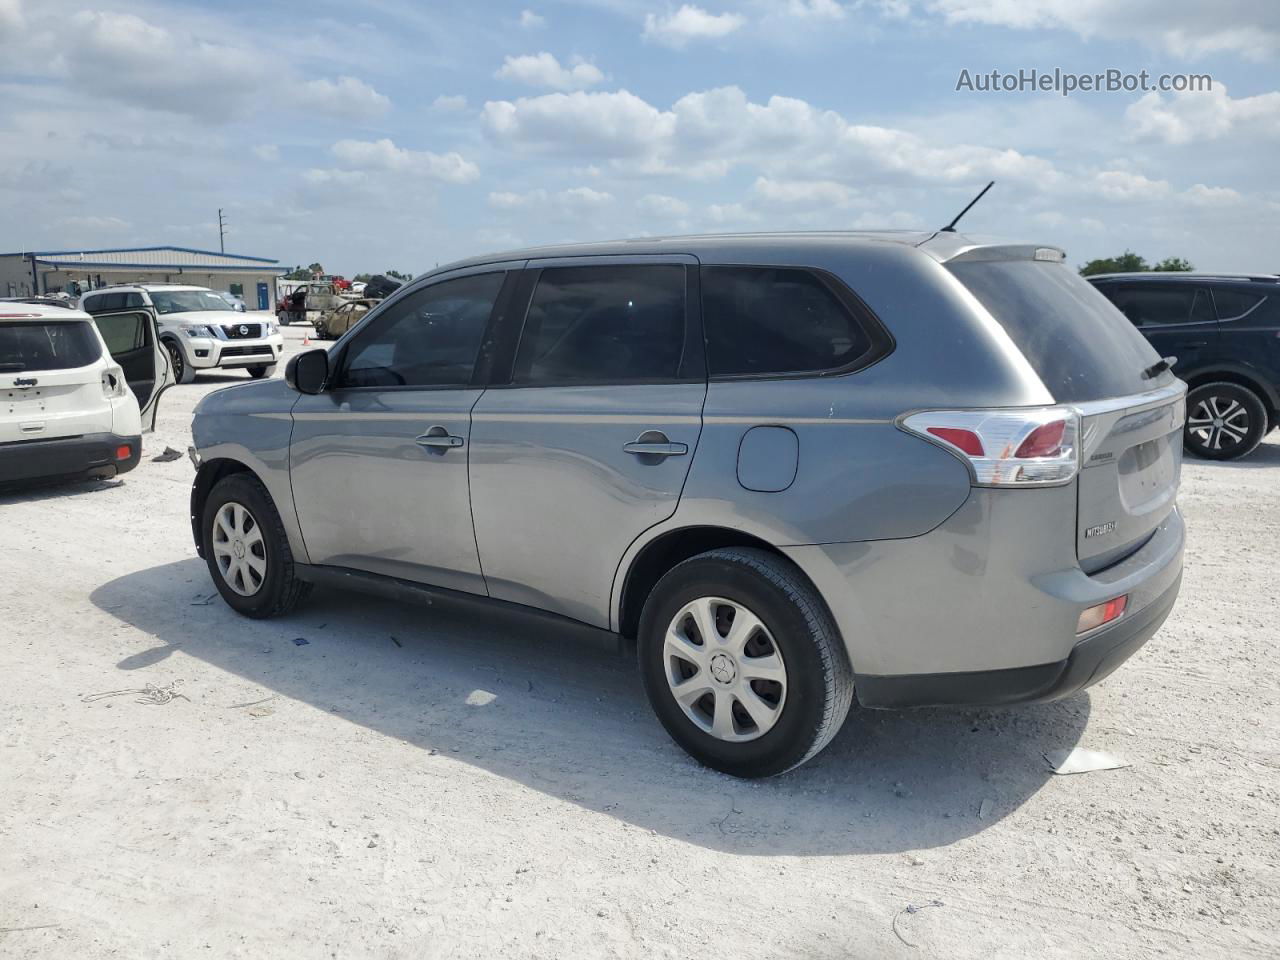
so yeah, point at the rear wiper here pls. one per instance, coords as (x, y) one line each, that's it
(12, 367)
(1159, 367)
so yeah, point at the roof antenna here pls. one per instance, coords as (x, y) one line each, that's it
(951, 227)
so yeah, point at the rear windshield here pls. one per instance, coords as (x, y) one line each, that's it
(46, 345)
(1082, 347)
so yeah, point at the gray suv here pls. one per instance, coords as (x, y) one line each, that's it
(795, 469)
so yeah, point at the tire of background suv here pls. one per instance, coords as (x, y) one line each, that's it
(1245, 412)
(183, 372)
(279, 590)
(818, 687)
(267, 370)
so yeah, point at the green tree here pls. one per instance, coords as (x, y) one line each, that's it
(1174, 265)
(1127, 262)
(397, 275)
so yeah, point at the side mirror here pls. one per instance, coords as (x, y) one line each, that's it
(307, 372)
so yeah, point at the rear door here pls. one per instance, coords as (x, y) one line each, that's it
(1177, 318)
(586, 440)
(134, 343)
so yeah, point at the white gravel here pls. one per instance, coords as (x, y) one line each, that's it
(484, 788)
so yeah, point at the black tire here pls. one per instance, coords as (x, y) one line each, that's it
(819, 679)
(1211, 437)
(280, 589)
(183, 372)
(260, 372)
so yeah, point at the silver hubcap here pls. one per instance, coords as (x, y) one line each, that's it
(239, 550)
(1219, 422)
(724, 669)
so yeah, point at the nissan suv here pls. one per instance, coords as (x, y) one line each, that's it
(796, 470)
(199, 328)
(1224, 332)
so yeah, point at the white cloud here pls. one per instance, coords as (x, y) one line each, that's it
(731, 214)
(544, 70)
(266, 151)
(1186, 28)
(803, 193)
(531, 21)
(690, 23)
(816, 9)
(11, 14)
(661, 205)
(449, 104)
(703, 135)
(87, 223)
(344, 97)
(1191, 117)
(384, 155)
(572, 200)
(1122, 185)
(1203, 196)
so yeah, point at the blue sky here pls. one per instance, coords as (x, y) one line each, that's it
(399, 135)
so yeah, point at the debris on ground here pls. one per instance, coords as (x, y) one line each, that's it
(150, 695)
(167, 456)
(203, 601)
(911, 908)
(300, 641)
(1080, 760)
(984, 808)
(396, 642)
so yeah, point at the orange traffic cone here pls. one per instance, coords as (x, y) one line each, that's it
(306, 339)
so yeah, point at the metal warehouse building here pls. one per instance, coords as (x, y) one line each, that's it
(76, 271)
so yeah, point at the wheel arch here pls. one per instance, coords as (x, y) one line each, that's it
(207, 476)
(666, 550)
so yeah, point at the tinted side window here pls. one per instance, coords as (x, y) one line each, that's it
(124, 332)
(762, 320)
(105, 302)
(430, 338)
(1234, 303)
(132, 300)
(1150, 305)
(613, 324)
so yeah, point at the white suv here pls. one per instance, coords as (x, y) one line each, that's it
(76, 392)
(199, 328)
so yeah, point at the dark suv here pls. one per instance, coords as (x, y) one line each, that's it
(1225, 332)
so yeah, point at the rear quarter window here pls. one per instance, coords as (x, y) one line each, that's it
(47, 345)
(1080, 345)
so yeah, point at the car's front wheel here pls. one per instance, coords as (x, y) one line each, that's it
(742, 662)
(183, 372)
(1224, 421)
(247, 551)
(262, 371)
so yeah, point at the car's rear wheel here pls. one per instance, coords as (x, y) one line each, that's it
(742, 662)
(1224, 421)
(183, 372)
(247, 551)
(259, 372)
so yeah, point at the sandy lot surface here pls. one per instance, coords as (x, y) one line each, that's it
(412, 783)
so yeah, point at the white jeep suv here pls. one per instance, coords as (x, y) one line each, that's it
(76, 392)
(199, 328)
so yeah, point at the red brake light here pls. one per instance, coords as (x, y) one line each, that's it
(1096, 616)
(124, 452)
(1044, 441)
(964, 440)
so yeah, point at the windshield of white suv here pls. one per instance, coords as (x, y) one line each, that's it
(188, 301)
(47, 345)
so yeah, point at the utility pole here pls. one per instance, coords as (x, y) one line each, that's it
(222, 232)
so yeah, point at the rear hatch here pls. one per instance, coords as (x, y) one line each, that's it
(1090, 357)
(50, 381)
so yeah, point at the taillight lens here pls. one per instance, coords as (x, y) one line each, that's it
(1013, 447)
(124, 452)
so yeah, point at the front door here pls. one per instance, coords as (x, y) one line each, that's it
(134, 343)
(378, 461)
(588, 442)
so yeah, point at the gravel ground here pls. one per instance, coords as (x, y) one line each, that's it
(412, 783)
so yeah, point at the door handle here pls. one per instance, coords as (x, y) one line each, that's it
(438, 436)
(654, 443)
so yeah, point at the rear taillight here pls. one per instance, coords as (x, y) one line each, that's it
(124, 451)
(1014, 447)
(1101, 614)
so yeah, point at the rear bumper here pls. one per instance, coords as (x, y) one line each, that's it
(1091, 660)
(90, 455)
